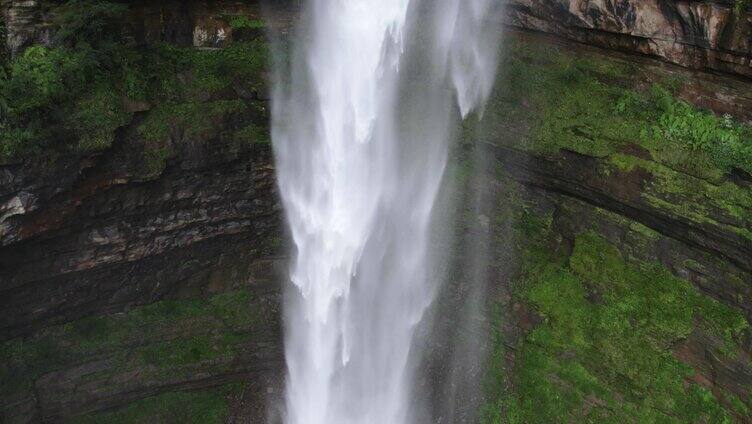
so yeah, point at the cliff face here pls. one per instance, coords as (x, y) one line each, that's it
(135, 292)
(24, 24)
(714, 35)
(144, 275)
(197, 23)
(624, 278)
(91, 235)
(96, 236)
(709, 35)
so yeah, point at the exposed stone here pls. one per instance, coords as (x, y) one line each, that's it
(715, 369)
(20, 204)
(25, 24)
(707, 35)
(86, 238)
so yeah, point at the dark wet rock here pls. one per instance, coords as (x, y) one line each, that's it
(103, 239)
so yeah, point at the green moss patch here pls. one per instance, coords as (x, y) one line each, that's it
(723, 204)
(244, 22)
(604, 349)
(172, 125)
(203, 407)
(160, 338)
(550, 98)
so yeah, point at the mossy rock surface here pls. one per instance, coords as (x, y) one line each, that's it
(606, 346)
(609, 333)
(172, 343)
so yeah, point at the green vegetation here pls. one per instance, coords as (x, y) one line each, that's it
(189, 120)
(550, 98)
(677, 125)
(740, 7)
(173, 124)
(693, 198)
(594, 106)
(93, 23)
(205, 407)
(603, 351)
(64, 94)
(243, 22)
(253, 134)
(160, 338)
(77, 93)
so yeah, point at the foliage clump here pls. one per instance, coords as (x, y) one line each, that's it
(244, 22)
(173, 124)
(740, 8)
(64, 94)
(75, 94)
(95, 24)
(682, 126)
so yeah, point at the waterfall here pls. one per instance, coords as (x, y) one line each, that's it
(362, 122)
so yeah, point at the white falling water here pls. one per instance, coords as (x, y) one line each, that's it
(360, 155)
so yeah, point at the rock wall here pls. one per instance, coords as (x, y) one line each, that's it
(709, 35)
(88, 243)
(127, 281)
(643, 241)
(98, 236)
(569, 163)
(25, 24)
(91, 235)
(714, 35)
(723, 253)
(198, 23)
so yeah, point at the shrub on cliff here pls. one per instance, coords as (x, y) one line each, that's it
(75, 94)
(93, 23)
(64, 94)
(726, 141)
